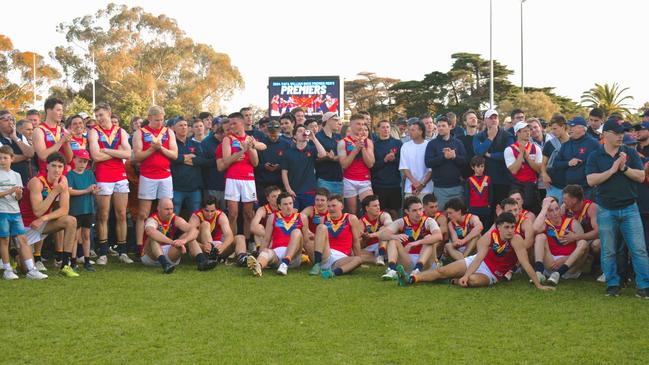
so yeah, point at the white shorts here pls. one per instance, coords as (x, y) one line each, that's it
(414, 258)
(352, 188)
(35, 235)
(569, 275)
(240, 190)
(461, 248)
(280, 252)
(482, 269)
(373, 248)
(147, 261)
(152, 189)
(108, 188)
(334, 256)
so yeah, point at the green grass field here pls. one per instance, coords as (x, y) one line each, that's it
(133, 314)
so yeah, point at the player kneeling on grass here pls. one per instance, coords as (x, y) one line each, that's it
(498, 251)
(413, 240)
(464, 230)
(214, 233)
(335, 240)
(282, 243)
(38, 216)
(374, 251)
(555, 254)
(11, 223)
(163, 242)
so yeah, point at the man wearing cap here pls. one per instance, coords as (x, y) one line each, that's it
(328, 170)
(491, 144)
(523, 159)
(269, 172)
(446, 157)
(573, 155)
(616, 170)
(213, 179)
(643, 139)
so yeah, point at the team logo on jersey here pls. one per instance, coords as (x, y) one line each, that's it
(558, 233)
(336, 227)
(286, 224)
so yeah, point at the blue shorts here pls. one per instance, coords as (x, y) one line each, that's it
(334, 187)
(11, 224)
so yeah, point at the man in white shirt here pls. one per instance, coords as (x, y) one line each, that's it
(418, 176)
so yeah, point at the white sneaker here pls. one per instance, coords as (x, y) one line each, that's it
(601, 279)
(125, 259)
(102, 260)
(9, 275)
(35, 275)
(554, 278)
(38, 265)
(414, 272)
(572, 275)
(282, 269)
(390, 275)
(93, 254)
(380, 261)
(541, 277)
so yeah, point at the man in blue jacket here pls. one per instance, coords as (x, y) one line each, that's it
(269, 172)
(446, 157)
(491, 144)
(573, 155)
(213, 179)
(186, 169)
(386, 178)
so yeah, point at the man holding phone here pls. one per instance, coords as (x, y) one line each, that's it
(268, 172)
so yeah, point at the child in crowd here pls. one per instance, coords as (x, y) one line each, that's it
(83, 187)
(478, 193)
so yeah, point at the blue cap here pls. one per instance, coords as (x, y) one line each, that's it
(644, 125)
(614, 125)
(628, 139)
(578, 120)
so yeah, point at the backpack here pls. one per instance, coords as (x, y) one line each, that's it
(557, 146)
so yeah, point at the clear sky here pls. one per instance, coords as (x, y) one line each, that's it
(568, 44)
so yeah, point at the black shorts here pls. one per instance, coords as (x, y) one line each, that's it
(85, 220)
(390, 198)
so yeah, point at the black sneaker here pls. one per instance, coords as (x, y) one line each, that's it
(88, 267)
(206, 265)
(168, 268)
(613, 291)
(642, 293)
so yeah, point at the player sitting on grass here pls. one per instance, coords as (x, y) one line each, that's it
(464, 230)
(39, 215)
(498, 251)
(315, 215)
(214, 234)
(556, 255)
(166, 237)
(374, 251)
(282, 240)
(413, 239)
(336, 239)
(258, 223)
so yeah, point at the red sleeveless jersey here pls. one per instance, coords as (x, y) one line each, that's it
(111, 170)
(525, 174)
(415, 232)
(167, 228)
(316, 218)
(340, 233)
(240, 170)
(357, 170)
(582, 216)
(26, 205)
(269, 211)
(501, 256)
(479, 191)
(156, 166)
(463, 228)
(554, 234)
(371, 226)
(215, 229)
(50, 137)
(519, 223)
(283, 226)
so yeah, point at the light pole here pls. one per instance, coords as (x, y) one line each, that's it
(522, 83)
(94, 77)
(34, 79)
(491, 60)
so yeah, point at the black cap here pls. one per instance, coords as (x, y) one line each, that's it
(614, 125)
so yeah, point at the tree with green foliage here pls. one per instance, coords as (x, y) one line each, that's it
(609, 98)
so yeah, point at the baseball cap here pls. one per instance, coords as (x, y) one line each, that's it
(401, 121)
(520, 125)
(613, 125)
(628, 139)
(413, 120)
(329, 115)
(644, 125)
(489, 113)
(578, 120)
(273, 125)
(81, 154)
(83, 115)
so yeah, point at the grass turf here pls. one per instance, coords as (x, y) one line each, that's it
(137, 315)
